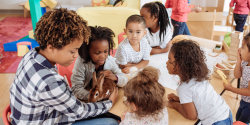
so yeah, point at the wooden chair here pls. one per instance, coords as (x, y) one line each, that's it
(230, 21)
(219, 30)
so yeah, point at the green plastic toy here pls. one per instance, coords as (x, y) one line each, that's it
(227, 38)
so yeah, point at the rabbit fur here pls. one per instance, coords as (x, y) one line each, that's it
(102, 87)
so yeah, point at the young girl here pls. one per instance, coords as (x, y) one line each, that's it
(144, 98)
(180, 10)
(242, 69)
(94, 56)
(134, 50)
(159, 32)
(241, 12)
(197, 98)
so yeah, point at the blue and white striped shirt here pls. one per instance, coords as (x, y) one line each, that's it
(39, 95)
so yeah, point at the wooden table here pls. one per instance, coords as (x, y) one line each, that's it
(175, 118)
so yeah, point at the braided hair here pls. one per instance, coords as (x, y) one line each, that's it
(98, 33)
(59, 28)
(159, 11)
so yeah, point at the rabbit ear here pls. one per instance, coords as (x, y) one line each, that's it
(94, 79)
(101, 81)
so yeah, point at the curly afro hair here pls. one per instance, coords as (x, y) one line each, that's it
(190, 60)
(59, 28)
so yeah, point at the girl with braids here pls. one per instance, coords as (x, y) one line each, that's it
(144, 99)
(95, 56)
(197, 98)
(180, 10)
(39, 95)
(159, 32)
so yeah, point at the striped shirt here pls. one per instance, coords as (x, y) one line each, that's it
(39, 95)
(126, 54)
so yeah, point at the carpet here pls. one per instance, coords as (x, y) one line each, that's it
(12, 29)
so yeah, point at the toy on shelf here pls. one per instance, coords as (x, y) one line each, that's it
(96, 3)
(120, 3)
(231, 51)
(224, 67)
(217, 48)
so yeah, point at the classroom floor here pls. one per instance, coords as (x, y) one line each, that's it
(198, 29)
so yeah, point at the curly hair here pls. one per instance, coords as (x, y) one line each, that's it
(190, 60)
(246, 40)
(98, 33)
(59, 28)
(145, 92)
(159, 11)
(137, 19)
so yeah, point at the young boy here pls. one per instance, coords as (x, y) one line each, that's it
(39, 95)
(134, 50)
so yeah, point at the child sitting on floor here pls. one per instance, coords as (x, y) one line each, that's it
(242, 69)
(144, 98)
(134, 50)
(197, 98)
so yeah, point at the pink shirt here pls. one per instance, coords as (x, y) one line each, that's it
(180, 9)
(241, 7)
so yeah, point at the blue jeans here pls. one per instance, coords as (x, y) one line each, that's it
(240, 20)
(243, 113)
(98, 121)
(228, 121)
(180, 28)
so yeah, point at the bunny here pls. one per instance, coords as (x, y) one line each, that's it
(102, 87)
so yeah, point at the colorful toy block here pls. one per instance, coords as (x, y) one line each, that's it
(28, 44)
(12, 45)
(50, 3)
(22, 50)
(31, 34)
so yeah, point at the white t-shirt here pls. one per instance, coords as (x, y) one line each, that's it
(126, 54)
(130, 119)
(210, 106)
(154, 39)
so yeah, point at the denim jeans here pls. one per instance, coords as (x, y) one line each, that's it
(98, 121)
(228, 121)
(243, 113)
(180, 28)
(240, 20)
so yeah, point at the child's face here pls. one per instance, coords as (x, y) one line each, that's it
(150, 21)
(245, 54)
(67, 54)
(135, 32)
(171, 64)
(99, 51)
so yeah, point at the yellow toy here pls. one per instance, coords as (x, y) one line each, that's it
(43, 3)
(223, 76)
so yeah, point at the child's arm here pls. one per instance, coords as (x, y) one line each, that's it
(241, 91)
(238, 68)
(139, 65)
(231, 3)
(187, 110)
(168, 4)
(158, 49)
(127, 65)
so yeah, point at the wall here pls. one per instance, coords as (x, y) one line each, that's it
(14, 4)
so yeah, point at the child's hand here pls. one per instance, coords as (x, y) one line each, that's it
(173, 97)
(239, 55)
(227, 86)
(196, 9)
(171, 104)
(123, 116)
(109, 74)
(126, 70)
(114, 95)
